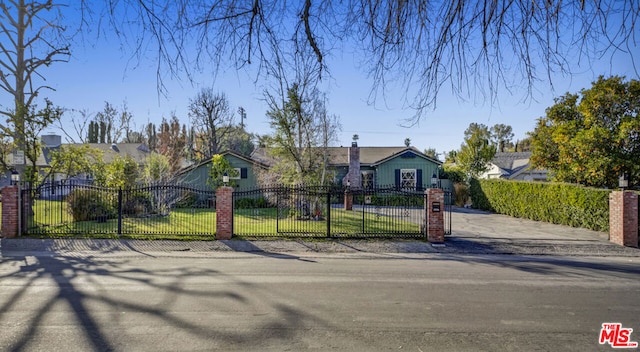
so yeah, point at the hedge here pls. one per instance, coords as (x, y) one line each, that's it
(557, 203)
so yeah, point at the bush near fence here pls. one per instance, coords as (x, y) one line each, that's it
(557, 203)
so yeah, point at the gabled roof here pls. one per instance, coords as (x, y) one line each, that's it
(226, 152)
(137, 151)
(511, 163)
(339, 156)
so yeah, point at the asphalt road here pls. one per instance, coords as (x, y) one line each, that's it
(314, 301)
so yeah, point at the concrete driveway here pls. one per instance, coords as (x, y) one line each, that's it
(480, 231)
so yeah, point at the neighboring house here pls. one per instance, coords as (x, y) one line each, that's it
(197, 175)
(137, 151)
(513, 166)
(52, 143)
(361, 167)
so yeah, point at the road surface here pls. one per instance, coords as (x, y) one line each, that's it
(346, 302)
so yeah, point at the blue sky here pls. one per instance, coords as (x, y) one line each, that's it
(102, 72)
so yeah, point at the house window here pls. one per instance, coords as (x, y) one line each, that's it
(367, 179)
(408, 179)
(236, 174)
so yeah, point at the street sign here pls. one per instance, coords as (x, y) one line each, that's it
(18, 157)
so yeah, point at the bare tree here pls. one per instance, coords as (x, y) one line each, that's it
(475, 47)
(30, 33)
(211, 118)
(114, 125)
(81, 126)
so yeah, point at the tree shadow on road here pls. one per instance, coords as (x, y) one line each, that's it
(79, 283)
(550, 265)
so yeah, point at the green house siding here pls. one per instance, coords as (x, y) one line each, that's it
(247, 176)
(199, 176)
(388, 173)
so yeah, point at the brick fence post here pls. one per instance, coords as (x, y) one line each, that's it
(623, 218)
(435, 215)
(224, 213)
(348, 200)
(10, 211)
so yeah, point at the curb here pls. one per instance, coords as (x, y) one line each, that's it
(452, 245)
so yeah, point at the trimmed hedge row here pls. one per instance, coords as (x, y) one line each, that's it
(557, 203)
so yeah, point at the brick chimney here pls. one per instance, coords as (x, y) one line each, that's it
(353, 175)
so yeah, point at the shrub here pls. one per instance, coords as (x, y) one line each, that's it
(138, 203)
(557, 203)
(250, 203)
(461, 192)
(455, 175)
(89, 204)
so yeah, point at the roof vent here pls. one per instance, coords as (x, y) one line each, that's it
(114, 147)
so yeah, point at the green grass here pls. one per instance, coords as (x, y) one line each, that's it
(263, 221)
(51, 217)
(51, 220)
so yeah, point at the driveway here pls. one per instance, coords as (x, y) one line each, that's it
(480, 231)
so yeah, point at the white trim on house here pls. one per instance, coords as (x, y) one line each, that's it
(408, 179)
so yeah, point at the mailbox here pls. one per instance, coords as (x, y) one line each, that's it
(435, 207)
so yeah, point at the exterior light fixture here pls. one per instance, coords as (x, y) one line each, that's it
(225, 179)
(15, 177)
(623, 182)
(434, 180)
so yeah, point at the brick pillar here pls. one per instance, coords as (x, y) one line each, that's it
(435, 215)
(10, 211)
(623, 218)
(224, 213)
(348, 200)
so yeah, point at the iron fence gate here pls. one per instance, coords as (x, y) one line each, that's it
(322, 212)
(282, 211)
(75, 208)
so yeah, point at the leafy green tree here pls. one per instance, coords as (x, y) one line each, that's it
(156, 169)
(431, 152)
(501, 136)
(476, 152)
(237, 139)
(523, 145)
(592, 137)
(122, 172)
(480, 130)
(93, 132)
(451, 157)
(74, 160)
(219, 167)
(302, 131)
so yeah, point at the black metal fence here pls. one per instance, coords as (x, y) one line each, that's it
(322, 212)
(74, 208)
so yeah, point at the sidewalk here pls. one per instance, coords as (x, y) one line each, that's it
(474, 232)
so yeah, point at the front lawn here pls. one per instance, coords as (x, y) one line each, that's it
(51, 219)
